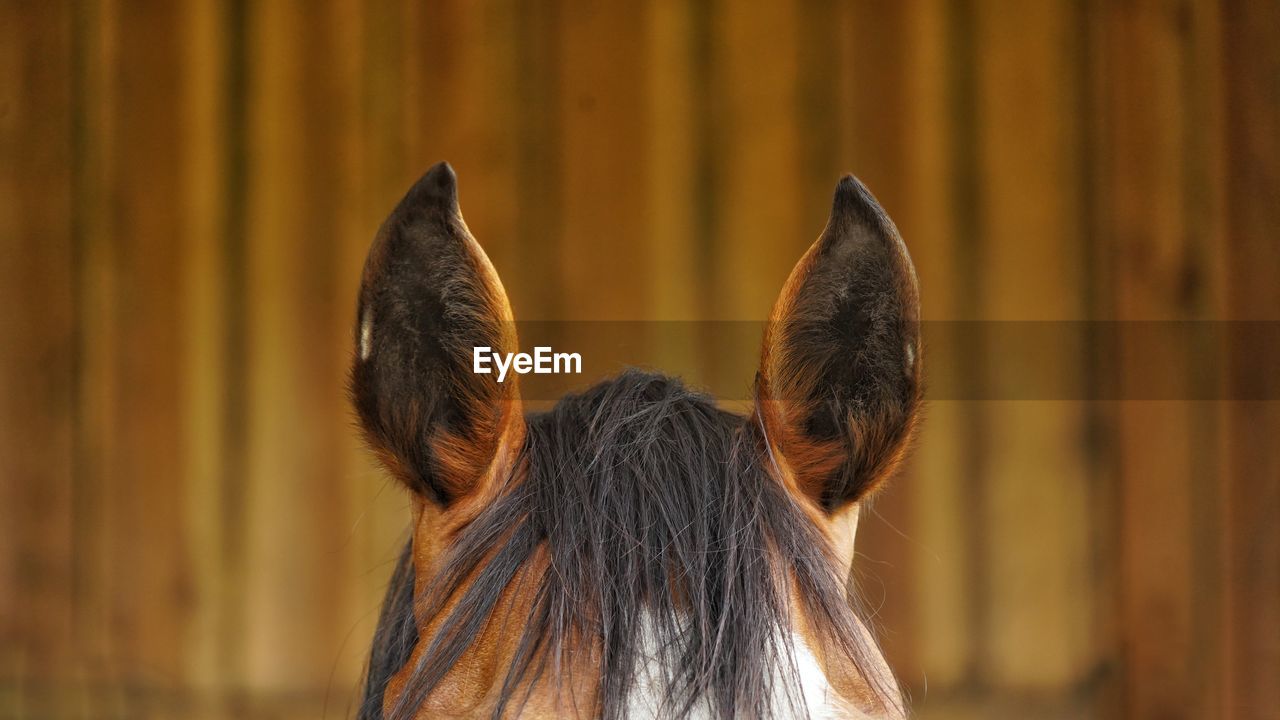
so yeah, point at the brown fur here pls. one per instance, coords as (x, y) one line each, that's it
(471, 688)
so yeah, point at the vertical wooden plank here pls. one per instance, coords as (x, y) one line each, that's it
(1102, 436)
(37, 346)
(758, 233)
(1030, 214)
(601, 255)
(1204, 154)
(433, 96)
(279, 644)
(344, 91)
(754, 230)
(539, 138)
(1252, 546)
(972, 449)
(96, 303)
(871, 132)
(601, 97)
(672, 170)
(674, 162)
(235, 426)
(205, 328)
(147, 586)
(295, 516)
(1157, 204)
(1155, 512)
(831, 100)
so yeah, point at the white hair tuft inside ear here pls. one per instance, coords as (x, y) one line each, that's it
(366, 333)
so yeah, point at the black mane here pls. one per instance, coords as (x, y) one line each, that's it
(653, 506)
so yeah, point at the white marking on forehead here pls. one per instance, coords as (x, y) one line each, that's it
(366, 333)
(820, 700)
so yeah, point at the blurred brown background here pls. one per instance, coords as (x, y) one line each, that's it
(189, 528)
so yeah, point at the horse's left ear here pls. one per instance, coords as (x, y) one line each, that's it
(839, 385)
(429, 297)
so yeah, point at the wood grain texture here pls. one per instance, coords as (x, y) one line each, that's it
(1251, 552)
(190, 527)
(37, 343)
(1033, 270)
(1160, 224)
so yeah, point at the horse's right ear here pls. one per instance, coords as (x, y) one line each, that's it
(839, 384)
(429, 297)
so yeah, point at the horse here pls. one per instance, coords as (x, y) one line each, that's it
(636, 551)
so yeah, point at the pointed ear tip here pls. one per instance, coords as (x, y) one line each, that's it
(851, 194)
(848, 181)
(443, 173)
(854, 205)
(439, 183)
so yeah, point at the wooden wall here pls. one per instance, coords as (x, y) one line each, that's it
(188, 527)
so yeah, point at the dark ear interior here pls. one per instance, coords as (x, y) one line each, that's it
(839, 384)
(428, 297)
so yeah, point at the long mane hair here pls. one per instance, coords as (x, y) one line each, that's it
(667, 546)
